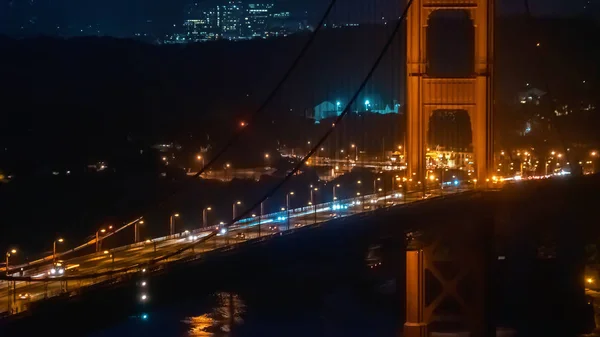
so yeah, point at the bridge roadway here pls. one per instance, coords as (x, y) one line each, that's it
(106, 266)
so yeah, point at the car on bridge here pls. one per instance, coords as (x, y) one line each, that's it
(60, 267)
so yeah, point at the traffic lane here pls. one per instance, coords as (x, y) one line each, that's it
(134, 254)
(49, 286)
(91, 258)
(88, 262)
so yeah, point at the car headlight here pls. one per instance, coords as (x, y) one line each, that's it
(61, 271)
(52, 271)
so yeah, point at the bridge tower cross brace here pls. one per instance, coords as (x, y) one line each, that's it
(469, 258)
(425, 94)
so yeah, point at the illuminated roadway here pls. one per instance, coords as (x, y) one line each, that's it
(42, 285)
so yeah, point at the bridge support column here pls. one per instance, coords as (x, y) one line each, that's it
(447, 279)
(415, 325)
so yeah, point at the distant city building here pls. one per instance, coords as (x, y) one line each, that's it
(532, 95)
(229, 20)
(329, 109)
(387, 110)
(257, 20)
(166, 147)
(202, 29)
(235, 20)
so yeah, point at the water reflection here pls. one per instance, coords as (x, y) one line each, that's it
(227, 313)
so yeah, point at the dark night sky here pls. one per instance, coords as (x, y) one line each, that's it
(121, 17)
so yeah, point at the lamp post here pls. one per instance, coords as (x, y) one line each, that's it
(97, 238)
(312, 201)
(287, 208)
(225, 168)
(172, 223)
(267, 161)
(8, 254)
(375, 190)
(262, 211)
(59, 240)
(200, 158)
(334, 191)
(234, 208)
(362, 195)
(355, 152)
(205, 216)
(136, 231)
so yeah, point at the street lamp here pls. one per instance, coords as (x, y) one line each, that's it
(320, 155)
(312, 200)
(234, 208)
(136, 231)
(8, 254)
(334, 190)
(287, 207)
(367, 105)
(594, 154)
(199, 157)
(311, 193)
(172, 223)
(375, 185)
(98, 238)
(225, 168)
(205, 216)
(59, 240)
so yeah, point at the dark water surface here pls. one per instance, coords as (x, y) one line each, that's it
(344, 312)
(348, 308)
